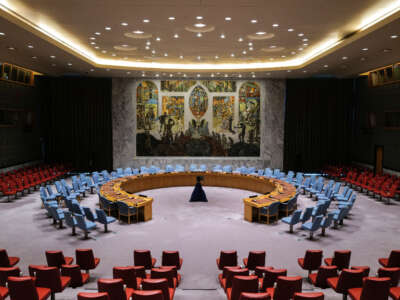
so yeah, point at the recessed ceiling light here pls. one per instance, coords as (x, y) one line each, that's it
(290, 30)
(176, 36)
(226, 75)
(283, 56)
(199, 18)
(138, 32)
(395, 36)
(289, 71)
(125, 45)
(147, 48)
(254, 76)
(272, 46)
(146, 21)
(200, 25)
(113, 54)
(222, 36)
(91, 70)
(30, 46)
(254, 21)
(251, 48)
(143, 75)
(199, 34)
(124, 24)
(52, 56)
(260, 32)
(198, 75)
(108, 70)
(2, 33)
(240, 39)
(271, 58)
(157, 75)
(69, 64)
(107, 28)
(244, 52)
(275, 25)
(212, 75)
(128, 72)
(184, 75)
(293, 52)
(250, 44)
(165, 54)
(325, 66)
(92, 43)
(181, 56)
(344, 57)
(305, 71)
(198, 57)
(170, 75)
(153, 51)
(301, 34)
(103, 51)
(240, 75)
(232, 55)
(228, 18)
(11, 48)
(305, 44)
(171, 18)
(268, 74)
(148, 43)
(158, 39)
(97, 33)
(305, 40)
(362, 58)
(34, 57)
(387, 50)
(216, 56)
(301, 49)
(364, 49)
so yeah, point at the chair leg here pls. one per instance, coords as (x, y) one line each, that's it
(323, 231)
(291, 228)
(311, 235)
(73, 230)
(86, 234)
(60, 226)
(53, 296)
(105, 227)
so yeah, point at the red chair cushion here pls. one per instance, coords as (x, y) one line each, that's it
(395, 293)
(355, 293)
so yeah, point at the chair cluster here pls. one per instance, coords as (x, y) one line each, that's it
(254, 280)
(24, 180)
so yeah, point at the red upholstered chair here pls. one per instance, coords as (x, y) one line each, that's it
(365, 270)
(7, 261)
(309, 296)
(57, 259)
(259, 271)
(324, 272)
(222, 276)
(231, 272)
(3, 292)
(171, 258)
(148, 295)
(312, 260)
(6, 272)
(114, 288)
(395, 293)
(166, 273)
(78, 278)
(392, 261)
(227, 259)
(392, 273)
(140, 271)
(33, 269)
(50, 277)
(255, 259)
(86, 260)
(270, 277)
(159, 284)
(23, 288)
(175, 273)
(340, 259)
(373, 289)
(242, 284)
(285, 287)
(93, 296)
(143, 258)
(127, 274)
(347, 279)
(258, 296)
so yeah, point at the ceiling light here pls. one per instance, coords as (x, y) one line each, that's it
(170, 75)
(232, 55)
(244, 52)
(165, 54)
(91, 70)
(293, 52)
(226, 75)
(271, 58)
(240, 40)
(325, 66)
(181, 56)
(198, 57)
(171, 18)
(289, 71)
(387, 50)
(301, 49)
(69, 64)
(92, 38)
(125, 57)
(128, 72)
(305, 71)
(260, 32)
(153, 51)
(198, 75)
(34, 57)
(305, 40)
(216, 56)
(143, 75)
(344, 57)
(392, 36)
(157, 75)
(146, 21)
(124, 24)
(176, 36)
(30, 46)
(301, 34)
(138, 32)
(148, 43)
(362, 58)
(92, 43)
(240, 75)
(184, 75)
(251, 48)
(272, 46)
(2, 33)
(275, 25)
(283, 56)
(305, 44)
(147, 48)
(364, 49)
(200, 25)
(250, 44)
(52, 56)
(222, 36)
(103, 51)
(228, 18)
(158, 39)
(254, 21)
(212, 75)
(107, 28)
(290, 30)
(11, 48)
(268, 74)
(124, 45)
(199, 18)
(113, 54)
(254, 76)
(97, 33)
(199, 34)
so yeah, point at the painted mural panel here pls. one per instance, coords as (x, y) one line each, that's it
(224, 86)
(198, 102)
(147, 104)
(172, 117)
(249, 113)
(176, 85)
(223, 113)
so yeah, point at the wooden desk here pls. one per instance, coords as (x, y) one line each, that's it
(125, 189)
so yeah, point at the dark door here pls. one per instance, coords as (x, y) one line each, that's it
(378, 159)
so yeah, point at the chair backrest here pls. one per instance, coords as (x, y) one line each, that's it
(127, 274)
(349, 279)
(148, 295)
(309, 296)
(113, 287)
(232, 272)
(142, 258)
(273, 208)
(22, 288)
(49, 277)
(375, 288)
(271, 276)
(227, 259)
(4, 260)
(307, 214)
(55, 258)
(327, 221)
(341, 259)
(295, 217)
(394, 258)
(312, 259)
(77, 209)
(93, 296)
(344, 192)
(336, 187)
(123, 207)
(101, 216)
(251, 296)
(203, 168)
(89, 214)
(307, 182)
(323, 273)
(85, 258)
(69, 219)
(81, 223)
(170, 258)
(167, 273)
(6, 272)
(287, 286)
(242, 284)
(255, 259)
(157, 284)
(392, 273)
(317, 223)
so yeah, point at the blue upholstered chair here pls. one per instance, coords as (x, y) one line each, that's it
(268, 172)
(269, 211)
(66, 195)
(227, 169)
(289, 177)
(316, 189)
(292, 220)
(306, 214)
(120, 172)
(260, 172)
(317, 211)
(114, 175)
(339, 216)
(349, 203)
(326, 223)
(57, 214)
(276, 174)
(84, 225)
(106, 175)
(127, 171)
(251, 170)
(203, 168)
(217, 168)
(107, 205)
(68, 204)
(346, 197)
(82, 185)
(306, 184)
(135, 171)
(44, 195)
(89, 214)
(329, 185)
(77, 209)
(51, 193)
(91, 184)
(336, 188)
(70, 221)
(312, 226)
(289, 206)
(127, 211)
(193, 168)
(77, 189)
(169, 169)
(104, 219)
(179, 168)
(58, 187)
(298, 181)
(342, 194)
(327, 195)
(144, 170)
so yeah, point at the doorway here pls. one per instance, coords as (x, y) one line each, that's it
(378, 166)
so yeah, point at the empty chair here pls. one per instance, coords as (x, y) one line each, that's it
(57, 215)
(70, 221)
(270, 211)
(312, 260)
(312, 226)
(127, 274)
(347, 279)
(193, 168)
(373, 289)
(309, 296)
(7, 272)
(395, 293)
(159, 284)
(227, 259)
(285, 287)
(84, 225)
(365, 270)
(340, 259)
(324, 272)
(340, 214)
(392, 261)
(144, 258)
(126, 211)
(107, 205)
(86, 260)
(102, 218)
(7, 261)
(89, 214)
(93, 296)
(167, 273)
(148, 295)
(3, 292)
(251, 296)
(50, 277)
(23, 288)
(33, 269)
(128, 171)
(292, 220)
(74, 272)
(114, 288)
(392, 273)
(326, 223)
(171, 258)
(227, 169)
(232, 272)
(254, 259)
(203, 168)
(306, 214)
(217, 168)
(57, 259)
(270, 277)
(242, 284)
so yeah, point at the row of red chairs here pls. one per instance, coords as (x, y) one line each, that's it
(23, 180)
(256, 281)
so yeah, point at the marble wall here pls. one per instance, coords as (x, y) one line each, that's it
(124, 129)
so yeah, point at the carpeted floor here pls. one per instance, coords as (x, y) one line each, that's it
(199, 231)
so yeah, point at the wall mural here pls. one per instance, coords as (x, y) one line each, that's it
(203, 118)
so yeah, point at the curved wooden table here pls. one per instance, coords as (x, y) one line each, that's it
(126, 189)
